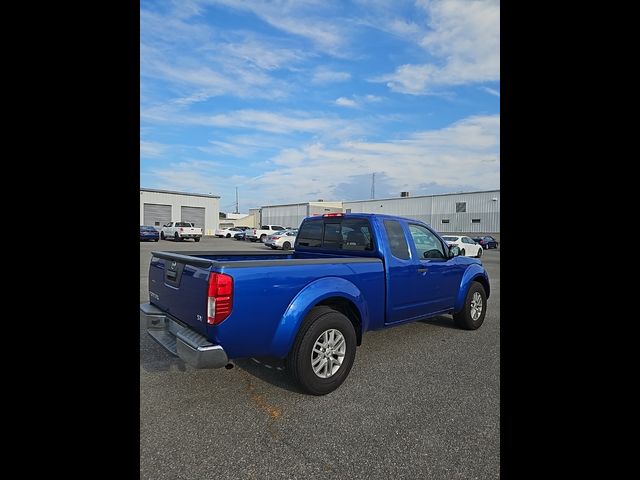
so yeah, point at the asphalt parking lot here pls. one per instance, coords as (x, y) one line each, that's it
(422, 401)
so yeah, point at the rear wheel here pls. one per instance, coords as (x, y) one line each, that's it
(286, 246)
(176, 237)
(479, 252)
(162, 235)
(196, 239)
(474, 309)
(323, 352)
(462, 252)
(263, 237)
(228, 235)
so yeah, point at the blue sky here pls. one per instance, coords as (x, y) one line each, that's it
(292, 101)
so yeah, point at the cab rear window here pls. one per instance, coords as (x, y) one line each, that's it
(336, 234)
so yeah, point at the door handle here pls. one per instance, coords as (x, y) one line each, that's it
(425, 269)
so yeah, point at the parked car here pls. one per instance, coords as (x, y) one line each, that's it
(149, 233)
(486, 242)
(261, 233)
(349, 274)
(226, 232)
(241, 235)
(181, 230)
(283, 239)
(467, 246)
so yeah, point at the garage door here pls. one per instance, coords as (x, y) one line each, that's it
(194, 215)
(156, 215)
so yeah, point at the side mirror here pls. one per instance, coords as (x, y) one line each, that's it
(454, 251)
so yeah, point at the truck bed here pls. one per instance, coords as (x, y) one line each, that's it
(270, 280)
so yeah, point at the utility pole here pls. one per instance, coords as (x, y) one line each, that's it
(373, 185)
(237, 200)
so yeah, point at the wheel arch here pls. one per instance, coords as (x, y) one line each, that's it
(335, 292)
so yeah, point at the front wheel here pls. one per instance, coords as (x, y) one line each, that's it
(323, 352)
(462, 252)
(474, 309)
(286, 246)
(479, 252)
(228, 235)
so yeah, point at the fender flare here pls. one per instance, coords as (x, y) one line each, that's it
(472, 273)
(312, 294)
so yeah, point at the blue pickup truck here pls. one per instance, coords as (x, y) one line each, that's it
(348, 273)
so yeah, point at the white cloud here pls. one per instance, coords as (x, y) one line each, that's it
(299, 17)
(464, 153)
(491, 91)
(464, 40)
(151, 149)
(324, 75)
(345, 102)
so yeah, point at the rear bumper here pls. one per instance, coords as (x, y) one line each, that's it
(181, 341)
(189, 235)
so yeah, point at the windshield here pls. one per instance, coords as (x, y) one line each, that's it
(182, 224)
(450, 239)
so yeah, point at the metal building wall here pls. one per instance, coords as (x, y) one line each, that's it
(179, 200)
(418, 208)
(433, 209)
(285, 215)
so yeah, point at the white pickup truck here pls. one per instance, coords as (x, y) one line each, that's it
(180, 230)
(261, 233)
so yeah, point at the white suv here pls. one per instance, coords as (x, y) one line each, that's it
(261, 233)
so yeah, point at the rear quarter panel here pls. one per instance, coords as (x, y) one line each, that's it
(270, 303)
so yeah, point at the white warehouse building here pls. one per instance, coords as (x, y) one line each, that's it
(291, 215)
(158, 207)
(464, 213)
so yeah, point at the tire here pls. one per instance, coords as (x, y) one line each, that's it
(299, 361)
(161, 235)
(155, 240)
(176, 237)
(262, 237)
(462, 252)
(228, 235)
(479, 253)
(196, 239)
(286, 246)
(464, 318)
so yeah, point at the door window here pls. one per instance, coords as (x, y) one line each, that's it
(427, 244)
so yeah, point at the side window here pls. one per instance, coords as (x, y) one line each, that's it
(278, 227)
(427, 244)
(397, 241)
(466, 240)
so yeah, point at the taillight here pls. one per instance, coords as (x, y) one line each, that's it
(274, 238)
(333, 215)
(220, 298)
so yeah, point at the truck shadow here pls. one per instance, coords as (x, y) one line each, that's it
(269, 370)
(444, 321)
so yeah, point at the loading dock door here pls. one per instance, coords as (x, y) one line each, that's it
(194, 215)
(156, 215)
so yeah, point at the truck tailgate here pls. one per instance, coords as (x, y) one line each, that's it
(180, 288)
